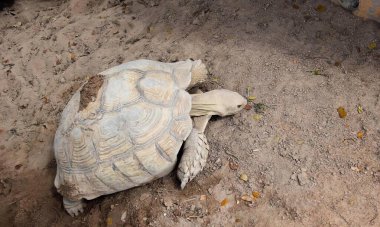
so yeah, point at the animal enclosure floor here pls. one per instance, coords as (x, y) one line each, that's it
(303, 164)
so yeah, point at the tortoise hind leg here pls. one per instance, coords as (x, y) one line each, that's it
(73, 207)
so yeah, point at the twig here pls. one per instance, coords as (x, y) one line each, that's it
(228, 153)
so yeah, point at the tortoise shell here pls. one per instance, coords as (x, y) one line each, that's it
(129, 134)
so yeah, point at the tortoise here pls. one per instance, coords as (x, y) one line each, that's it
(125, 126)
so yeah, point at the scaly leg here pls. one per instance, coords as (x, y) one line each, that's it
(74, 208)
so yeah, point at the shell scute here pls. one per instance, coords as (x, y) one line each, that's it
(82, 155)
(154, 161)
(121, 90)
(112, 137)
(146, 121)
(158, 87)
(130, 167)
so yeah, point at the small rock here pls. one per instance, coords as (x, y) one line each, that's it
(192, 208)
(145, 218)
(354, 168)
(168, 202)
(144, 196)
(218, 161)
(209, 191)
(123, 216)
(196, 21)
(18, 24)
(244, 177)
(293, 176)
(62, 80)
(302, 179)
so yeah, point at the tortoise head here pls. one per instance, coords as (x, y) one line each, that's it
(219, 102)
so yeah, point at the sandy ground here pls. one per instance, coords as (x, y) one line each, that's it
(305, 164)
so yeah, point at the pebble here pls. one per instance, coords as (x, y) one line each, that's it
(62, 80)
(168, 202)
(302, 179)
(123, 216)
(196, 21)
(144, 196)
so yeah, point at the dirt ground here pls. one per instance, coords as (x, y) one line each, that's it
(305, 164)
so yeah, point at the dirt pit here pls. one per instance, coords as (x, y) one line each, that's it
(301, 164)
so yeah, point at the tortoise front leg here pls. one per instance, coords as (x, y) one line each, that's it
(195, 152)
(73, 207)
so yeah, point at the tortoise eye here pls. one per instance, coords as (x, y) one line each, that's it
(238, 106)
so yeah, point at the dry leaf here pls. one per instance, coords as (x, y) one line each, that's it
(109, 221)
(224, 202)
(246, 198)
(257, 117)
(45, 100)
(203, 198)
(360, 134)
(247, 107)
(72, 57)
(256, 194)
(338, 63)
(215, 79)
(342, 112)
(317, 72)
(372, 45)
(360, 109)
(244, 177)
(354, 168)
(320, 8)
(251, 98)
(233, 165)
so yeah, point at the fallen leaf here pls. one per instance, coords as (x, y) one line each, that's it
(372, 45)
(256, 194)
(360, 109)
(246, 198)
(109, 221)
(45, 100)
(215, 79)
(338, 63)
(316, 72)
(251, 98)
(360, 134)
(342, 112)
(354, 168)
(233, 165)
(203, 198)
(72, 57)
(247, 107)
(320, 8)
(257, 117)
(224, 202)
(244, 177)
